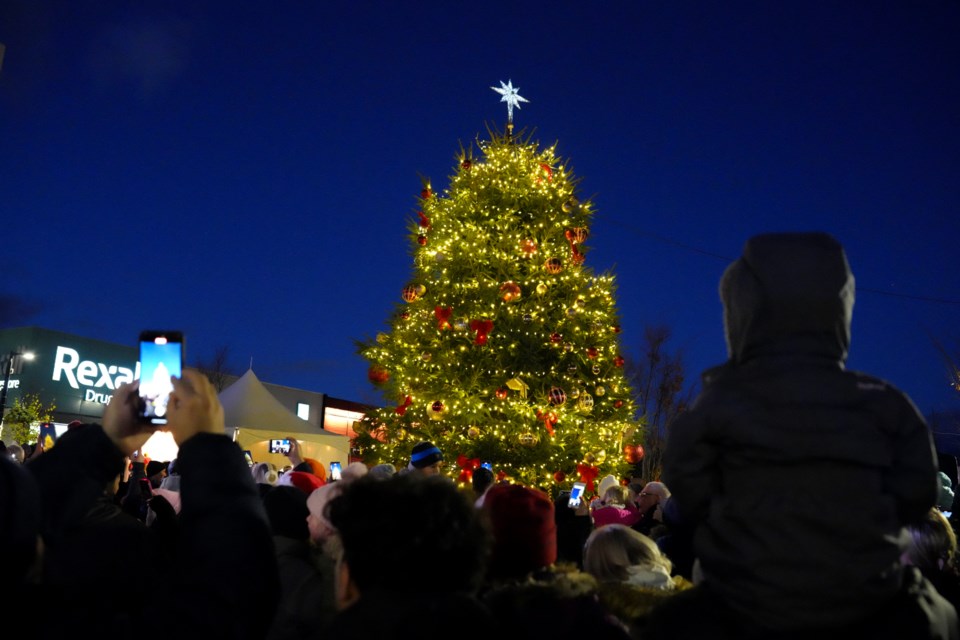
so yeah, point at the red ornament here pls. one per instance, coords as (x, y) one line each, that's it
(618, 404)
(630, 453)
(466, 164)
(378, 375)
(422, 240)
(424, 220)
(559, 476)
(556, 338)
(426, 193)
(405, 315)
(528, 247)
(437, 406)
(578, 235)
(640, 452)
(501, 393)
(592, 352)
(557, 396)
(548, 170)
(553, 265)
(616, 328)
(509, 291)
(618, 361)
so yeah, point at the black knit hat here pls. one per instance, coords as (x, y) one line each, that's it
(154, 467)
(425, 454)
(287, 511)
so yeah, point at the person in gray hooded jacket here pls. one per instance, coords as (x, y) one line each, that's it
(798, 475)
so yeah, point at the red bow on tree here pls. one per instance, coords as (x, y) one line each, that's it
(482, 327)
(443, 317)
(587, 474)
(549, 419)
(576, 256)
(402, 409)
(467, 466)
(424, 220)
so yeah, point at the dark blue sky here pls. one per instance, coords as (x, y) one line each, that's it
(245, 171)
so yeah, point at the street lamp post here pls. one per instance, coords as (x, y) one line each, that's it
(7, 370)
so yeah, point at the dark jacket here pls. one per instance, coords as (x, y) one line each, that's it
(307, 600)
(223, 582)
(799, 475)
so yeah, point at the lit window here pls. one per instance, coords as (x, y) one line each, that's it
(303, 410)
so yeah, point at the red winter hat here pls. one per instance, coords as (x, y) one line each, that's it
(524, 531)
(306, 482)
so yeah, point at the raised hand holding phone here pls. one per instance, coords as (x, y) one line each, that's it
(194, 407)
(122, 423)
(294, 454)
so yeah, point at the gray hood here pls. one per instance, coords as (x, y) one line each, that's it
(789, 293)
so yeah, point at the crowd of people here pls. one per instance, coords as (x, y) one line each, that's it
(797, 500)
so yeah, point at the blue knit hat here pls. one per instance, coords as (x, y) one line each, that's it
(425, 454)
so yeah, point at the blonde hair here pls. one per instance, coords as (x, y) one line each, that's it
(265, 473)
(611, 550)
(933, 544)
(615, 495)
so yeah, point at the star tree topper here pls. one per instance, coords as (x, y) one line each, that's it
(511, 96)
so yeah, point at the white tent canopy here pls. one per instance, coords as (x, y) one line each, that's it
(253, 416)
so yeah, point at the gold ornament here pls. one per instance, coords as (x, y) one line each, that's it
(590, 457)
(473, 432)
(519, 386)
(382, 337)
(570, 204)
(528, 439)
(585, 402)
(435, 411)
(600, 390)
(541, 289)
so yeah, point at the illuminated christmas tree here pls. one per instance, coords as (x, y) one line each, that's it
(506, 347)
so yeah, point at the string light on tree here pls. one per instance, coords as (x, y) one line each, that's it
(504, 326)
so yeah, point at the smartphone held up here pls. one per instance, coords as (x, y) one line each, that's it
(161, 356)
(279, 446)
(576, 495)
